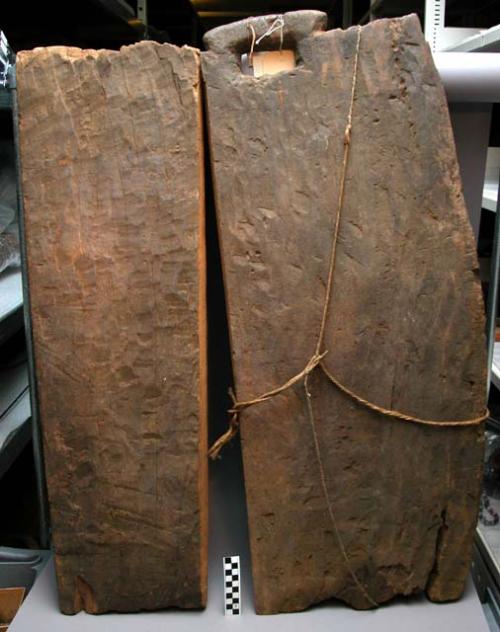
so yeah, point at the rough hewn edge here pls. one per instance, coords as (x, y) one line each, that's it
(203, 343)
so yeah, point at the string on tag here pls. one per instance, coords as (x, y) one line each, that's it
(278, 24)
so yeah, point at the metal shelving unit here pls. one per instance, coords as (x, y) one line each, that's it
(15, 412)
(480, 168)
(486, 564)
(11, 293)
(11, 303)
(495, 366)
(487, 41)
(490, 194)
(15, 409)
(491, 179)
(17, 427)
(15, 431)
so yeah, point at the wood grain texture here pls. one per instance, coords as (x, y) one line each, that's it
(405, 327)
(112, 175)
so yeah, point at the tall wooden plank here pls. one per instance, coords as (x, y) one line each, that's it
(111, 151)
(405, 322)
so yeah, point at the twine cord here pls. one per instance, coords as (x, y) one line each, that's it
(319, 344)
(278, 24)
(316, 360)
(317, 357)
(252, 46)
(396, 414)
(324, 489)
(340, 202)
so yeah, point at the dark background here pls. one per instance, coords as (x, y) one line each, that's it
(111, 23)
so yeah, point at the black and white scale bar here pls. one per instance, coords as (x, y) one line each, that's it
(232, 597)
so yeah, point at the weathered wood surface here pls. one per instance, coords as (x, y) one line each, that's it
(405, 326)
(113, 196)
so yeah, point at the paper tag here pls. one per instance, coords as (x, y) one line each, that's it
(270, 62)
